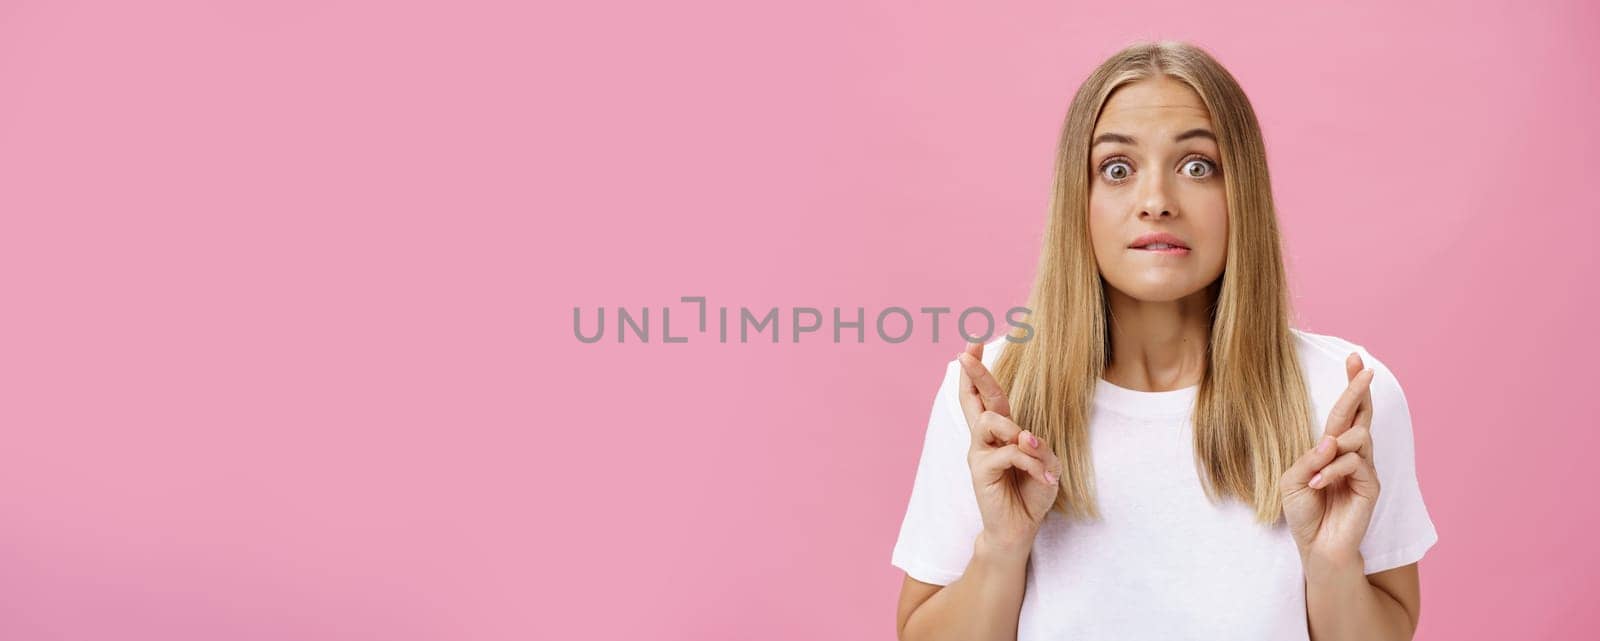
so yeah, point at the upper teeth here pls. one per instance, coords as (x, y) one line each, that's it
(1158, 246)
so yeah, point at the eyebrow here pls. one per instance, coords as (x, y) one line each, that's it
(1128, 140)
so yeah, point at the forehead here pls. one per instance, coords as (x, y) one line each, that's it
(1153, 105)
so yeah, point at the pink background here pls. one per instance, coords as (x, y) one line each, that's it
(288, 289)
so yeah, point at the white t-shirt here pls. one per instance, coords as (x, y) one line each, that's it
(1164, 562)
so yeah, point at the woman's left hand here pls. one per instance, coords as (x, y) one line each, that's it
(1328, 494)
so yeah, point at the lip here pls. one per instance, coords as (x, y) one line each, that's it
(1179, 248)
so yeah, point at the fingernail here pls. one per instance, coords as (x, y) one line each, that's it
(1051, 478)
(1316, 479)
(1322, 448)
(1032, 442)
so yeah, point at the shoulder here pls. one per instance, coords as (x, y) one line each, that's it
(1326, 351)
(1322, 361)
(1321, 350)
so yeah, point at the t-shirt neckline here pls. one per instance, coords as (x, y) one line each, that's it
(1139, 403)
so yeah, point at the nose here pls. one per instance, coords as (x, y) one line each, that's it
(1154, 202)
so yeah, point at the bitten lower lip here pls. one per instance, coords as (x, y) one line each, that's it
(1171, 251)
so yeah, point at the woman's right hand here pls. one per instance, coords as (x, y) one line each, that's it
(1015, 474)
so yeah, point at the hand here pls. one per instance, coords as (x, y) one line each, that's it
(1015, 475)
(1328, 494)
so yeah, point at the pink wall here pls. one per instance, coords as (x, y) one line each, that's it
(287, 346)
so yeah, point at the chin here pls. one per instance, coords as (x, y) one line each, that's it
(1161, 292)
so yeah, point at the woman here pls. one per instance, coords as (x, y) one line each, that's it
(1163, 457)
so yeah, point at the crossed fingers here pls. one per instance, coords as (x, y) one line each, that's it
(1345, 448)
(988, 413)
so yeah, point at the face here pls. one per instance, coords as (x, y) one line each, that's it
(1155, 168)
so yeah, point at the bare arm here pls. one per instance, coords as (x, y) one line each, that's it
(984, 604)
(1343, 603)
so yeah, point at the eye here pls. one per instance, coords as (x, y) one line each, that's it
(1199, 168)
(1115, 170)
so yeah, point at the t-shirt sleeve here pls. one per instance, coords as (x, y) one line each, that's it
(942, 521)
(1400, 531)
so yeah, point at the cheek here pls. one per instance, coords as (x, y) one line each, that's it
(1214, 221)
(1207, 209)
(1102, 221)
(1213, 229)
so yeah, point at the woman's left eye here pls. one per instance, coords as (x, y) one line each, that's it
(1198, 168)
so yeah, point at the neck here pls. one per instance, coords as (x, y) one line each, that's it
(1158, 346)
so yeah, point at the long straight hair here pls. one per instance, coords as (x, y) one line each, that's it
(1252, 413)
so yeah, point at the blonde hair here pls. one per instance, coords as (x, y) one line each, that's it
(1252, 411)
